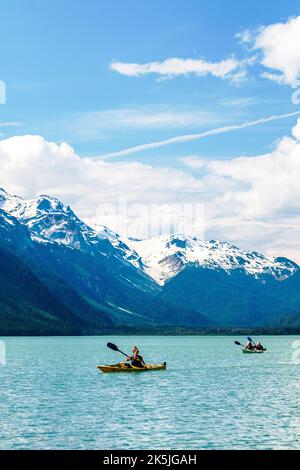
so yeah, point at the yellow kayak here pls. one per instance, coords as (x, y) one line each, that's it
(124, 368)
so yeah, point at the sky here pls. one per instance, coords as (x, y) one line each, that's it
(158, 106)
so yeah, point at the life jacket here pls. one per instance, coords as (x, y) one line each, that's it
(137, 361)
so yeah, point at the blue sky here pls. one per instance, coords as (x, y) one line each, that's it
(56, 56)
(104, 76)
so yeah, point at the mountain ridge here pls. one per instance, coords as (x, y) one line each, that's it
(161, 258)
(169, 280)
(172, 253)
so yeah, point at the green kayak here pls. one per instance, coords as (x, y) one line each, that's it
(252, 351)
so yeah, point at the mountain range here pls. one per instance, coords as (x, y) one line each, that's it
(60, 276)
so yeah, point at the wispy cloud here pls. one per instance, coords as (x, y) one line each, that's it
(193, 161)
(201, 135)
(230, 68)
(275, 47)
(96, 125)
(10, 124)
(142, 117)
(243, 101)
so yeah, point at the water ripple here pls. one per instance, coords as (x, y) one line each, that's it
(210, 397)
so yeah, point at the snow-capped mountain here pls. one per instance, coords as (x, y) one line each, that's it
(168, 280)
(123, 245)
(12, 231)
(161, 258)
(100, 267)
(49, 220)
(164, 257)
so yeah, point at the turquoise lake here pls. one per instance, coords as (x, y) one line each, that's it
(211, 396)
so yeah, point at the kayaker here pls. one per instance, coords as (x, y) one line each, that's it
(136, 359)
(259, 347)
(249, 346)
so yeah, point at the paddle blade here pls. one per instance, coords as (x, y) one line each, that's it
(250, 339)
(112, 346)
(237, 343)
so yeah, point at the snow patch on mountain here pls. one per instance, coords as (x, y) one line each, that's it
(121, 245)
(50, 221)
(6, 219)
(165, 256)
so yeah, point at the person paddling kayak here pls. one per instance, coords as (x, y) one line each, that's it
(254, 347)
(249, 346)
(136, 359)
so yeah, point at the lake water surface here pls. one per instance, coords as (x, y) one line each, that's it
(211, 396)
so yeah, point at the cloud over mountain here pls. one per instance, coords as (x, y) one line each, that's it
(249, 200)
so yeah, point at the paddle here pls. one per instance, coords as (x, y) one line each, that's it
(251, 340)
(238, 344)
(115, 348)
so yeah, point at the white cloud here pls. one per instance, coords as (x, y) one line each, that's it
(193, 162)
(274, 77)
(296, 130)
(251, 201)
(267, 184)
(245, 37)
(255, 201)
(279, 45)
(231, 68)
(31, 166)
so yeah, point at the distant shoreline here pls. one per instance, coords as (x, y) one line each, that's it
(167, 331)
